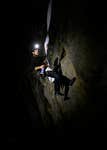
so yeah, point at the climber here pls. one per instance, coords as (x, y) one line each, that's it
(63, 80)
(39, 64)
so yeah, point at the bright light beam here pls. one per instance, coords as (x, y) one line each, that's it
(36, 46)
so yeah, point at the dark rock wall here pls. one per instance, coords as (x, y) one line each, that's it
(80, 34)
(79, 29)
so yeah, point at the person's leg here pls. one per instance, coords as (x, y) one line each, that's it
(66, 92)
(72, 81)
(67, 82)
(57, 84)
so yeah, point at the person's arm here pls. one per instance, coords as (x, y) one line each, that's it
(45, 64)
(39, 67)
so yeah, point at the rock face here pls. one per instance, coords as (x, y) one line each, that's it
(84, 58)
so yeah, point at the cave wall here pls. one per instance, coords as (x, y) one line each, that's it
(84, 58)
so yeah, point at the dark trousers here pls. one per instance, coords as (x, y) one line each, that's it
(57, 83)
(57, 80)
(65, 82)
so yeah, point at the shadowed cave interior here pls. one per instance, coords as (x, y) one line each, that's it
(77, 31)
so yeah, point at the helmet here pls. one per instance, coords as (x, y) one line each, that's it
(36, 47)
